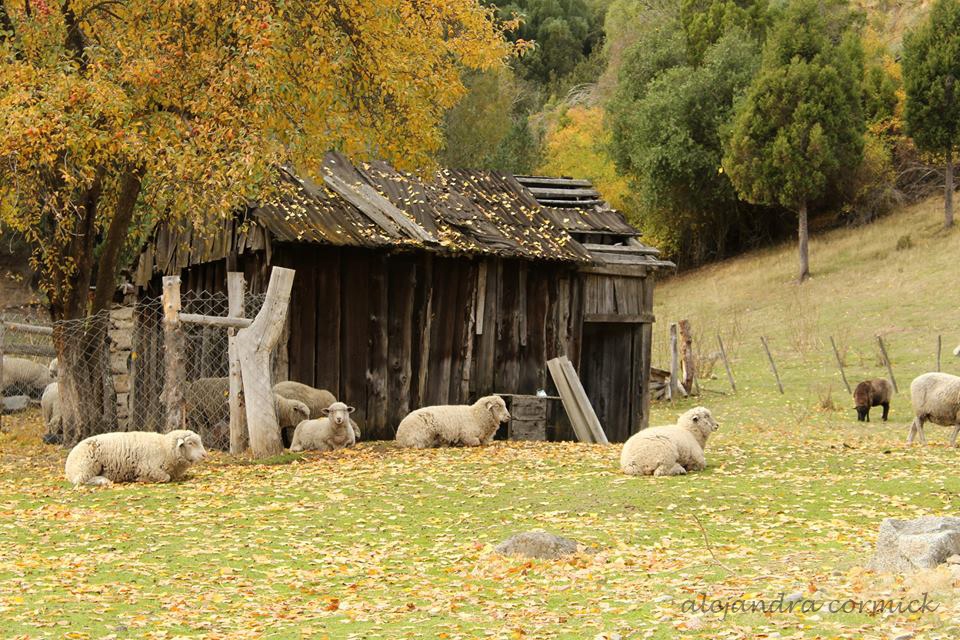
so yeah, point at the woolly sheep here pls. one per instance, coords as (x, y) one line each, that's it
(329, 433)
(24, 376)
(872, 393)
(935, 397)
(453, 425)
(316, 399)
(54, 368)
(207, 405)
(133, 456)
(672, 450)
(52, 418)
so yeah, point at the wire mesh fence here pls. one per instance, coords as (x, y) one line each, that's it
(114, 380)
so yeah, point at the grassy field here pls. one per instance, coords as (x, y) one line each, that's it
(378, 542)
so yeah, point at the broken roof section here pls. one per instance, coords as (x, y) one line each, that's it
(373, 205)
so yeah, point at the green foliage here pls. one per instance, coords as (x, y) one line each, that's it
(799, 130)
(705, 21)
(475, 128)
(565, 32)
(931, 75)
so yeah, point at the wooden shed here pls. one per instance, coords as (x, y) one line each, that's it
(412, 292)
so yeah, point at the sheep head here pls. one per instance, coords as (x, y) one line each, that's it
(188, 445)
(497, 408)
(338, 413)
(700, 422)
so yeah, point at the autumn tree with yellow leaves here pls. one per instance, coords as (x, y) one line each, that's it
(117, 113)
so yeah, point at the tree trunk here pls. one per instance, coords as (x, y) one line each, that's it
(803, 238)
(254, 346)
(948, 191)
(116, 236)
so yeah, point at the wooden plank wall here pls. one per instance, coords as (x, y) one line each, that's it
(390, 333)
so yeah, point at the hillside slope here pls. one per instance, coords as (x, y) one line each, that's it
(895, 278)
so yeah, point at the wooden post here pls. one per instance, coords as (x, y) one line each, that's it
(939, 350)
(726, 364)
(254, 345)
(239, 438)
(675, 386)
(687, 361)
(773, 366)
(175, 367)
(886, 361)
(836, 354)
(2, 331)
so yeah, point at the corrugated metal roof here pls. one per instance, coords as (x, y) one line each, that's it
(576, 206)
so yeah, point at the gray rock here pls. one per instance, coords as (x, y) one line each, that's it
(904, 546)
(15, 404)
(537, 544)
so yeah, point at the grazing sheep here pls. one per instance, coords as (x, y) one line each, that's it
(329, 433)
(935, 397)
(872, 393)
(21, 376)
(316, 399)
(52, 418)
(133, 456)
(207, 406)
(672, 450)
(453, 425)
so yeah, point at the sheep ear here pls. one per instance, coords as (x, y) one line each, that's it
(696, 418)
(179, 442)
(325, 411)
(351, 409)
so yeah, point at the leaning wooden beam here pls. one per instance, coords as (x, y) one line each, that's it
(174, 347)
(30, 328)
(254, 346)
(239, 437)
(773, 365)
(886, 361)
(580, 397)
(726, 364)
(577, 420)
(836, 355)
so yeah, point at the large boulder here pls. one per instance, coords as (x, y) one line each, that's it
(905, 546)
(537, 544)
(15, 404)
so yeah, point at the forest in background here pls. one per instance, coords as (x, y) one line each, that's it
(639, 96)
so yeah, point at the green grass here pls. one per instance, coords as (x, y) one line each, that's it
(377, 542)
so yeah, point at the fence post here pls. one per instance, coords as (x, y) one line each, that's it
(175, 370)
(254, 345)
(686, 356)
(836, 354)
(2, 394)
(239, 438)
(773, 366)
(726, 364)
(939, 350)
(675, 386)
(886, 361)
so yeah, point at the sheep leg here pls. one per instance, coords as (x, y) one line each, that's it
(699, 463)
(916, 427)
(953, 438)
(471, 441)
(154, 475)
(886, 410)
(95, 481)
(664, 470)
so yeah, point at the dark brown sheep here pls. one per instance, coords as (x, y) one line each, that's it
(872, 393)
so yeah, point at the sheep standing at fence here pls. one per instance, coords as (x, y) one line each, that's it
(453, 425)
(52, 417)
(133, 456)
(872, 393)
(316, 399)
(331, 432)
(670, 451)
(207, 406)
(24, 377)
(935, 397)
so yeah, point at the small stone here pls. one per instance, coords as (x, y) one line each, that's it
(904, 636)
(794, 597)
(537, 544)
(663, 598)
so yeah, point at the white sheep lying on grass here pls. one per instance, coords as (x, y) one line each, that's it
(133, 456)
(331, 432)
(671, 450)
(935, 397)
(453, 425)
(24, 376)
